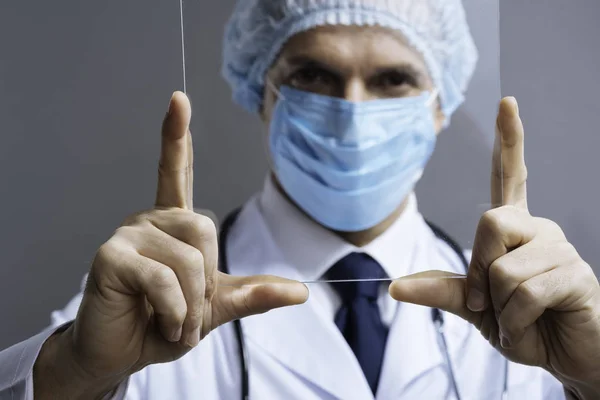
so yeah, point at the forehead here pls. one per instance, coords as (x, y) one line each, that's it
(347, 46)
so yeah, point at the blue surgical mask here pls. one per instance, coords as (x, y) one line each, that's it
(350, 165)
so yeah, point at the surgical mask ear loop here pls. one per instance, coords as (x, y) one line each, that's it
(269, 85)
(431, 100)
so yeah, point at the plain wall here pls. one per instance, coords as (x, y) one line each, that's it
(84, 87)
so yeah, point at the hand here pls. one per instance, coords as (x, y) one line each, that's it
(154, 290)
(528, 291)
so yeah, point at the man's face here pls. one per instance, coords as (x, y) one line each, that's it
(353, 63)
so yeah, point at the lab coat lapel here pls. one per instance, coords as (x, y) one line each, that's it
(303, 341)
(411, 350)
(413, 347)
(301, 338)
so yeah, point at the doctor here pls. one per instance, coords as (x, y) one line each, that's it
(354, 94)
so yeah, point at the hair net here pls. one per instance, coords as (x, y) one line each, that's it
(258, 29)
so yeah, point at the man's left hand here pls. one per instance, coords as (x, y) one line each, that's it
(528, 291)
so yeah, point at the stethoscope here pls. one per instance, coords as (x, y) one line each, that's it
(436, 315)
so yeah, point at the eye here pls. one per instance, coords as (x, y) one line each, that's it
(312, 79)
(394, 80)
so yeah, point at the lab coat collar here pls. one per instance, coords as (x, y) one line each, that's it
(313, 249)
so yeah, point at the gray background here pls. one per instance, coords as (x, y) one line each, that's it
(84, 86)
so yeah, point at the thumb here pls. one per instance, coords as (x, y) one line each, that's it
(240, 297)
(435, 289)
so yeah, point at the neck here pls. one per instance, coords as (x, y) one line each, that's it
(359, 238)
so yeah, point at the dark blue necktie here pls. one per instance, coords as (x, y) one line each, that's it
(358, 318)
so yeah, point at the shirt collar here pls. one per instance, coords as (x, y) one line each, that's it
(312, 249)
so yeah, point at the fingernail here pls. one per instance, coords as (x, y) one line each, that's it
(504, 342)
(475, 301)
(515, 104)
(193, 338)
(176, 336)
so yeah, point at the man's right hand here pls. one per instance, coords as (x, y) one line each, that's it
(154, 290)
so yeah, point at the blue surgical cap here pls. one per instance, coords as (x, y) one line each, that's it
(437, 29)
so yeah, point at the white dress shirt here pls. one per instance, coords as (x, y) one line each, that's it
(298, 352)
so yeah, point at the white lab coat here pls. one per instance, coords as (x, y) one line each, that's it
(298, 352)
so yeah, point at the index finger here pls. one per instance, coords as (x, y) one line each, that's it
(175, 171)
(509, 173)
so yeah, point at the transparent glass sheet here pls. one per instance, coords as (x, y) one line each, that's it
(323, 135)
(85, 85)
(559, 115)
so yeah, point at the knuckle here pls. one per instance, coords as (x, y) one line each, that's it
(108, 264)
(105, 254)
(162, 279)
(205, 227)
(196, 227)
(524, 173)
(194, 262)
(497, 220)
(500, 270)
(239, 305)
(566, 248)
(491, 222)
(581, 276)
(550, 227)
(205, 224)
(109, 257)
(519, 175)
(569, 247)
(126, 234)
(587, 273)
(527, 293)
(246, 304)
(452, 294)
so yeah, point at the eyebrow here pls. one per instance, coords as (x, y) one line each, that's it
(307, 61)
